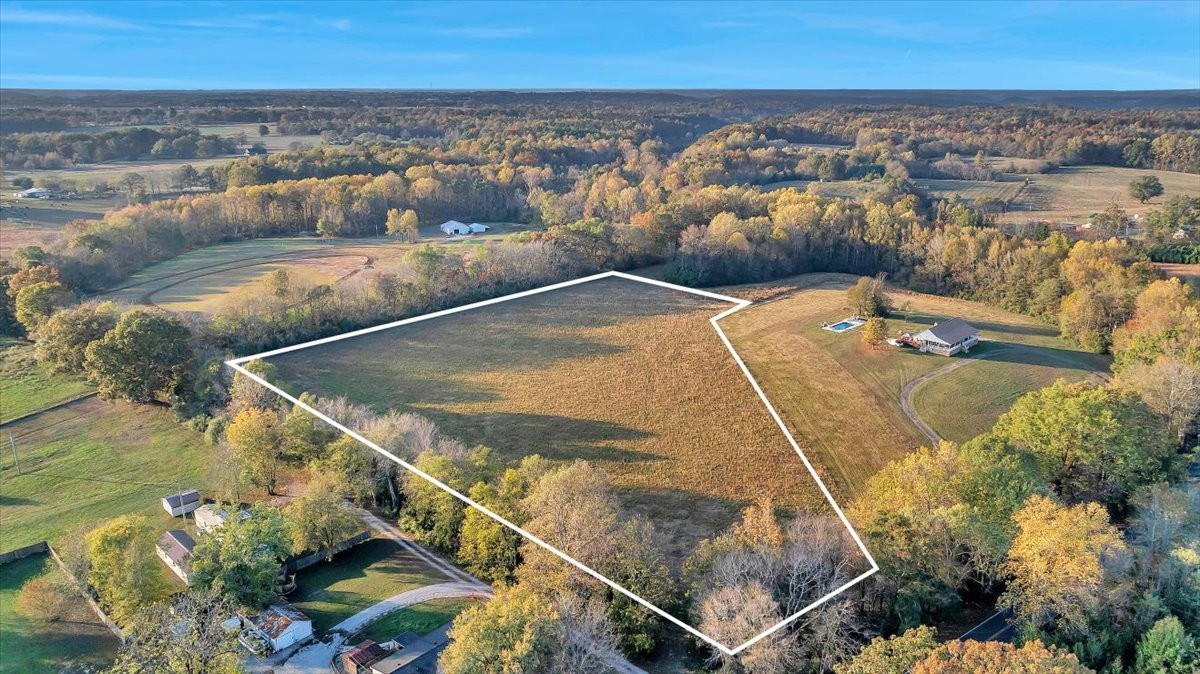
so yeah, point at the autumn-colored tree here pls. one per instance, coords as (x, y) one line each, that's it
(349, 468)
(403, 224)
(874, 331)
(1057, 564)
(889, 655)
(123, 565)
(970, 657)
(319, 520)
(516, 631)
(868, 297)
(183, 636)
(45, 599)
(258, 443)
(245, 393)
(36, 302)
(64, 338)
(146, 356)
(488, 549)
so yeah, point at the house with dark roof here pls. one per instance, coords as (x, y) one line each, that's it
(174, 548)
(947, 338)
(358, 660)
(182, 503)
(413, 654)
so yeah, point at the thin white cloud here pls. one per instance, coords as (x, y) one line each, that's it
(341, 24)
(485, 33)
(13, 15)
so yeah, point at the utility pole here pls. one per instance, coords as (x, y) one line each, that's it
(13, 444)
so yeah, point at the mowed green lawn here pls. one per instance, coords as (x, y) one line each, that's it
(965, 402)
(330, 592)
(841, 399)
(90, 461)
(420, 619)
(27, 386)
(80, 642)
(629, 376)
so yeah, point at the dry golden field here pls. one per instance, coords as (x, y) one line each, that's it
(629, 376)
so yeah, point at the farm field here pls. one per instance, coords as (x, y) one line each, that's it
(1188, 273)
(90, 461)
(856, 189)
(207, 279)
(360, 577)
(628, 376)
(76, 643)
(27, 386)
(37, 222)
(842, 399)
(1072, 193)
(991, 385)
(156, 171)
(420, 619)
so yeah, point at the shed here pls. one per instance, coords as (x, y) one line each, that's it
(174, 548)
(455, 228)
(477, 228)
(282, 625)
(182, 503)
(948, 337)
(35, 193)
(359, 658)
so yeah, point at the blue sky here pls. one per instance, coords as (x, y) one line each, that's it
(646, 44)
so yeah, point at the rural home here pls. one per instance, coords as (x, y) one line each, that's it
(455, 228)
(35, 193)
(414, 654)
(182, 503)
(281, 625)
(359, 658)
(210, 517)
(947, 338)
(174, 548)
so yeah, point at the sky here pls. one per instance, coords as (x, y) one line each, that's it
(609, 45)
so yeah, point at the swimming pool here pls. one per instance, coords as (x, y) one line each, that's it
(844, 325)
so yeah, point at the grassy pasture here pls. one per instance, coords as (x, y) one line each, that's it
(76, 643)
(90, 461)
(27, 386)
(991, 385)
(971, 190)
(37, 222)
(362, 576)
(1072, 193)
(841, 399)
(420, 619)
(157, 171)
(626, 375)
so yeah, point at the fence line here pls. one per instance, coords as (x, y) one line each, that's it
(297, 563)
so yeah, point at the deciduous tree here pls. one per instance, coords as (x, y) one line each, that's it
(258, 443)
(147, 355)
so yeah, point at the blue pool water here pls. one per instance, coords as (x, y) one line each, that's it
(844, 325)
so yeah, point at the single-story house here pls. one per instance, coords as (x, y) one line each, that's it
(414, 654)
(255, 151)
(477, 228)
(455, 228)
(35, 193)
(281, 625)
(182, 503)
(210, 517)
(359, 658)
(948, 337)
(174, 548)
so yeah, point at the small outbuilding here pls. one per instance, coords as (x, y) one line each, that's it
(182, 503)
(455, 228)
(174, 548)
(477, 228)
(947, 338)
(358, 660)
(281, 625)
(35, 193)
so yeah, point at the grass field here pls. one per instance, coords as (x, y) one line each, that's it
(358, 578)
(1072, 193)
(841, 399)
(628, 376)
(970, 190)
(420, 619)
(37, 222)
(90, 461)
(26, 386)
(991, 385)
(80, 642)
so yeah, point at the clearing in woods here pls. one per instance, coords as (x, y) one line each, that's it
(616, 370)
(841, 399)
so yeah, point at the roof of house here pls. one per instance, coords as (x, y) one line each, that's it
(364, 653)
(182, 498)
(414, 648)
(453, 223)
(277, 618)
(177, 545)
(952, 331)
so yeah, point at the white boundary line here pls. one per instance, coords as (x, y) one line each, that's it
(739, 304)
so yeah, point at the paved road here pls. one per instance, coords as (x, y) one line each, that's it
(994, 628)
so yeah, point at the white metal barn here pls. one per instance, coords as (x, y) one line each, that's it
(455, 228)
(182, 503)
(477, 228)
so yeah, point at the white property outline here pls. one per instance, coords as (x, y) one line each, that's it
(739, 304)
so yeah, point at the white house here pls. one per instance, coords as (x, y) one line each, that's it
(477, 228)
(182, 503)
(281, 625)
(210, 517)
(174, 548)
(948, 337)
(35, 193)
(455, 228)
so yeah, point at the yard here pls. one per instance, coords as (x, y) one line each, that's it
(78, 643)
(364, 575)
(1072, 193)
(628, 376)
(90, 461)
(842, 399)
(420, 619)
(27, 386)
